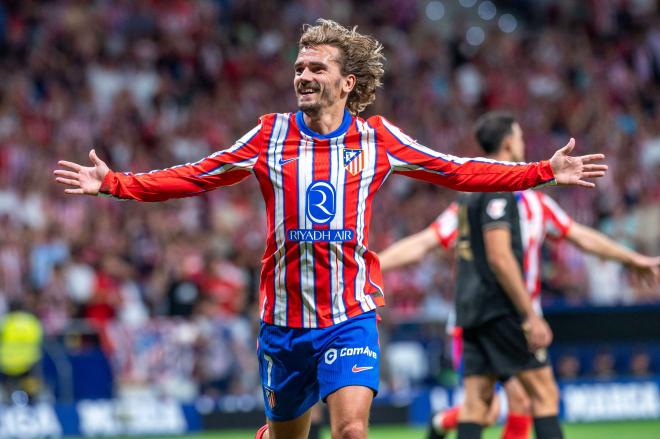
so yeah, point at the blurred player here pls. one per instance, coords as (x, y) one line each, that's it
(319, 170)
(494, 274)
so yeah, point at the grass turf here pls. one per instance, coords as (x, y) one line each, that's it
(606, 430)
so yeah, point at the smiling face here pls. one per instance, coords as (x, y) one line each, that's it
(318, 81)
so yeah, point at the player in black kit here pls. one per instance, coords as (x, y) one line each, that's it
(503, 335)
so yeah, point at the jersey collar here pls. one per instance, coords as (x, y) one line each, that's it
(345, 124)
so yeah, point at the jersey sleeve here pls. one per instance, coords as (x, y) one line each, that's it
(222, 168)
(445, 226)
(408, 157)
(497, 211)
(556, 221)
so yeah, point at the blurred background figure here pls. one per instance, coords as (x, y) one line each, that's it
(21, 334)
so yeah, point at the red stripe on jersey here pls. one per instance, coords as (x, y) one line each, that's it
(290, 158)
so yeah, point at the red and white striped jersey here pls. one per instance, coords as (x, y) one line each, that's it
(317, 269)
(540, 216)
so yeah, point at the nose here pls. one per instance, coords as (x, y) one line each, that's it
(305, 75)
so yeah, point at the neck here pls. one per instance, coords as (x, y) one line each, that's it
(325, 120)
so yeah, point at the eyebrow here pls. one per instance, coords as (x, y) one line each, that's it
(312, 63)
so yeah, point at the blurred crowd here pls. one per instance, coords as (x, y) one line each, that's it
(150, 84)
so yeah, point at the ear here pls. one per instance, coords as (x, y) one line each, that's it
(507, 141)
(349, 85)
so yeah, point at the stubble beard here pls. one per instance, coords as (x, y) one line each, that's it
(324, 100)
(310, 108)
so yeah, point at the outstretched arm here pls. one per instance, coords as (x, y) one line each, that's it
(408, 157)
(408, 250)
(222, 168)
(596, 243)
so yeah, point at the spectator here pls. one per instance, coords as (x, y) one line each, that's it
(640, 364)
(568, 367)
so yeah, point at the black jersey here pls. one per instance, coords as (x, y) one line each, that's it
(479, 297)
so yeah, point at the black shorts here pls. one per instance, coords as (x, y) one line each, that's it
(498, 347)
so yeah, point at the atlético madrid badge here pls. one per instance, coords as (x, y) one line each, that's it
(354, 160)
(270, 396)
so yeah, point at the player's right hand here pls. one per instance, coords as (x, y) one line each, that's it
(82, 180)
(537, 331)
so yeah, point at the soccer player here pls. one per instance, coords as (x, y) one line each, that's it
(498, 240)
(318, 170)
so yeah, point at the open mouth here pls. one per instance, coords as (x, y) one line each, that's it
(307, 91)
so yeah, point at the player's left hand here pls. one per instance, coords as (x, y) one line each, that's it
(573, 170)
(537, 331)
(647, 269)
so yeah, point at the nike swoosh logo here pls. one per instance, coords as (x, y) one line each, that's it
(357, 369)
(284, 162)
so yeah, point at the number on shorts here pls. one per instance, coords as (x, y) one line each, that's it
(269, 369)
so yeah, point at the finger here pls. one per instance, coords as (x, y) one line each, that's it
(583, 183)
(592, 174)
(68, 181)
(568, 147)
(595, 168)
(74, 191)
(94, 158)
(592, 158)
(67, 174)
(75, 166)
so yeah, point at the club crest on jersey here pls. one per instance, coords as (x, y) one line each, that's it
(496, 208)
(353, 160)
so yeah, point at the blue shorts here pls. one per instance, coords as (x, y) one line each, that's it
(299, 366)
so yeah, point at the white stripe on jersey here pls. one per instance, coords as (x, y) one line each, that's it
(336, 253)
(367, 142)
(307, 280)
(275, 148)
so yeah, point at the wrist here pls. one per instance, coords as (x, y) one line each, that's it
(529, 315)
(546, 174)
(106, 184)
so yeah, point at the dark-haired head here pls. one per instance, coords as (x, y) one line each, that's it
(499, 134)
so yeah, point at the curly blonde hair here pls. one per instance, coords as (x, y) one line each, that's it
(360, 55)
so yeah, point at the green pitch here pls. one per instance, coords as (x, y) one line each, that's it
(613, 430)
